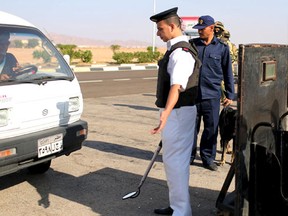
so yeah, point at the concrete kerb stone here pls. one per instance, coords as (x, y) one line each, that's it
(111, 68)
(138, 67)
(95, 68)
(151, 67)
(80, 69)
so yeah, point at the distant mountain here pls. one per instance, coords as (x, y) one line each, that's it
(79, 41)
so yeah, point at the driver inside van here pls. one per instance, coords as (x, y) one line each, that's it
(8, 62)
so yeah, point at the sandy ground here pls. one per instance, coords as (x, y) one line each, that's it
(111, 163)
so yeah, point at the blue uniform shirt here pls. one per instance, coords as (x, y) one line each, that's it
(216, 66)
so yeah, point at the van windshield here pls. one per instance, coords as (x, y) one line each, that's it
(26, 55)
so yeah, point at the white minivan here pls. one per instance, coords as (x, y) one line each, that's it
(40, 100)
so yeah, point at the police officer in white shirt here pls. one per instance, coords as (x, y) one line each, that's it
(177, 112)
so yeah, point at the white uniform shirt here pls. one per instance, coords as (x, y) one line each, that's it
(181, 63)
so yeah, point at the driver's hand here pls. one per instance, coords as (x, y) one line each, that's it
(17, 68)
(4, 77)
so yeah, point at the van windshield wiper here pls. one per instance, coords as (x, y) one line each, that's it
(43, 79)
(38, 80)
(53, 78)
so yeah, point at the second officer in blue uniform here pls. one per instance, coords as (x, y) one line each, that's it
(216, 66)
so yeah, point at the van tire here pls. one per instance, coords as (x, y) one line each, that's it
(40, 168)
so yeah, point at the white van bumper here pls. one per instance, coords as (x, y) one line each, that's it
(24, 151)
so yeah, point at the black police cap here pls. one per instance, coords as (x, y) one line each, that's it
(164, 15)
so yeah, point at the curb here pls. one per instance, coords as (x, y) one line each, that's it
(100, 68)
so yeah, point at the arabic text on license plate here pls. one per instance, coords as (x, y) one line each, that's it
(50, 145)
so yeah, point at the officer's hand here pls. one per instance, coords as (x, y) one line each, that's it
(159, 128)
(227, 102)
(163, 119)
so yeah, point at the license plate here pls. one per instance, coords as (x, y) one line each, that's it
(50, 145)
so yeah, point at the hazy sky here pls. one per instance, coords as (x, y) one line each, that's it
(249, 21)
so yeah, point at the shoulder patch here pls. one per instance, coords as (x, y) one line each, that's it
(185, 49)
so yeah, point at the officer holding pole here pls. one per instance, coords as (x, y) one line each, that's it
(177, 111)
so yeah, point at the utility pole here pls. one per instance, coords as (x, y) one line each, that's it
(154, 28)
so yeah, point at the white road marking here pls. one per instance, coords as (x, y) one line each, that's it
(116, 80)
(91, 81)
(121, 79)
(149, 78)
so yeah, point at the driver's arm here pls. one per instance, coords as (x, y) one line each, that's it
(4, 77)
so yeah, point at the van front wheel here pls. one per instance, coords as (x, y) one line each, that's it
(40, 168)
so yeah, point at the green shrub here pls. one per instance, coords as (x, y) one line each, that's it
(42, 54)
(69, 49)
(139, 57)
(123, 57)
(115, 47)
(32, 43)
(86, 56)
(143, 57)
(16, 44)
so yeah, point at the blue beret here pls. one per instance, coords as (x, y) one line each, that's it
(164, 15)
(204, 21)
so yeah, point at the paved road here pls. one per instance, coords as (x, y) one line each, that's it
(93, 180)
(111, 83)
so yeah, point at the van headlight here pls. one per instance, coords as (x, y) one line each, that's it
(3, 117)
(74, 104)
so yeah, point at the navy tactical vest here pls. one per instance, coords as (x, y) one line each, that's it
(189, 96)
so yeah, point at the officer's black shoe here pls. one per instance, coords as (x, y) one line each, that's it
(164, 211)
(192, 160)
(212, 166)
